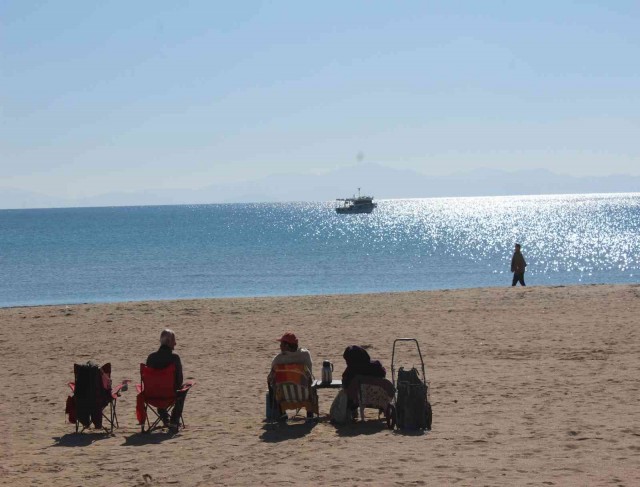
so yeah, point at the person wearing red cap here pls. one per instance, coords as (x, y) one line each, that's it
(290, 353)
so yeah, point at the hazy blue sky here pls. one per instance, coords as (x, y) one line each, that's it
(103, 96)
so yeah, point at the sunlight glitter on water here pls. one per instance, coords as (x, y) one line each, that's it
(558, 233)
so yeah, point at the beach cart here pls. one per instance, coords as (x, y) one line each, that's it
(412, 406)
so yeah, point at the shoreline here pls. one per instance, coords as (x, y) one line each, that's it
(529, 385)
(285, 296)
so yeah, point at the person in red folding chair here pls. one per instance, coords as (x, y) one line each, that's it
(165, 397)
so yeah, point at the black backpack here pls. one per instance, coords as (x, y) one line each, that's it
(413, 409)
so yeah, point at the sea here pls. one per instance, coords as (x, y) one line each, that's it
(116, 254)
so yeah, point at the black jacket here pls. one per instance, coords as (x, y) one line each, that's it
(163, 358)
(359, 363)
(518, 263)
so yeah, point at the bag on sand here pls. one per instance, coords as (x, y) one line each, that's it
(413, 408)
(339, 413)
(272, 409)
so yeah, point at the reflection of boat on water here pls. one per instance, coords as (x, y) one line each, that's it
(359, 204)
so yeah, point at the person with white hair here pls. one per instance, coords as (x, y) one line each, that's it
(161, 359)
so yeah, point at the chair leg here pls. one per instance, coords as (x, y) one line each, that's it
(80, 429)
(107, 428)
(112, 415)
(110, 419)
(115, 414)
(146, 418)
(152, 425)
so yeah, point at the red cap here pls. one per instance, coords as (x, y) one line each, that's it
(289, 338)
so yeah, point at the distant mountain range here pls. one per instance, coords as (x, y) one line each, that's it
(374, 179)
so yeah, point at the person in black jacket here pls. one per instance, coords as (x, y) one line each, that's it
(161, 359)
(518, 266)
(359, 363)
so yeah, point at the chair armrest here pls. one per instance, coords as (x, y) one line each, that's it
(120, 388)
(72, 386)
(187, 385)
(139, 388)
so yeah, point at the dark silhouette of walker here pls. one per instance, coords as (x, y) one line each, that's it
(518, 266)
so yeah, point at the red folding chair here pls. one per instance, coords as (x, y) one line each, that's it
(92, 393)
(158, 391)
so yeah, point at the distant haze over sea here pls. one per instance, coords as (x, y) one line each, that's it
(374, 179)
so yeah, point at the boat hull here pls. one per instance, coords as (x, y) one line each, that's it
(355, 209)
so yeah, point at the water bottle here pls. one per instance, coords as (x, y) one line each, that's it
(327, 370)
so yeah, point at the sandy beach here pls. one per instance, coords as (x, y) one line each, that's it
(530, 386)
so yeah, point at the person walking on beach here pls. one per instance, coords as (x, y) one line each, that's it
(518, 265)
(161, 359)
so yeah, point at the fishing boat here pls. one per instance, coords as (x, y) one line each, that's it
(356, 204)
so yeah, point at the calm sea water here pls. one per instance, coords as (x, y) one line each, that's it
(55, 256)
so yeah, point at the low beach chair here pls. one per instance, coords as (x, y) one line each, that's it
(375, 393)
(92, 393)
(157, 391)
(293, 389)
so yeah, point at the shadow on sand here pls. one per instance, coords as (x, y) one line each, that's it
(372, 427)
(291, 430)
(153, 438)
(80, 439)
(362, 428)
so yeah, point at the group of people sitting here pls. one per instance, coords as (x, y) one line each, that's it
(358, 363)
(93, 389)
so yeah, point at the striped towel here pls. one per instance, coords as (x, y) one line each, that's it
(293, 392)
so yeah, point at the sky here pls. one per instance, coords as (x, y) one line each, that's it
(123, 96)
